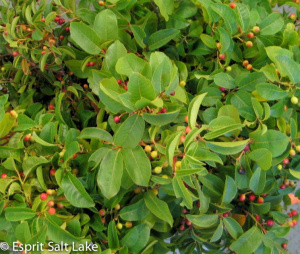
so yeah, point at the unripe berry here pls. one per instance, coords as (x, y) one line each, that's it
(182, 83)
(137, 190)
(250, 35)
(186, 119)
(148, 149)
(51, 211)
(279, 166)
(102, 212)
(60, 205)
(249, 44)
(256, 29)
(249, 67)
(165, 176)
(260, 200)
(270, 223)
(52, 172)
(117, 119)
(229, 69)
(13, 114)
(252, 197)
(50, 203)
(3, 176)
(293, 16)
(43, 196)
(128, 224)
(245, 63)
(182, 138)
(101, 3)
(153, 154)
(242, 197)
(294, 100)
(50, 192)
(178, 164)
(219, 45)
(298, 148)
(157, 170)
(117, 207)
(155, 191)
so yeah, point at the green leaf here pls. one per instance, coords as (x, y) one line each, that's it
(106, 26)
(41, 141)
(135, 212)
(140, 87)
(227, 148)
(182, 192)
(258, 181)
(95, 133)
(269, 140)
(158, 207)
(263, 157)
(224, 80)
(208, 41)
(270, 91)
(289, 68)
(243, 14)
(248, 242)
(295, 173)
(85, 37)
(218, 233)
(203, 221)
(194, 109)
(110, 173)
(166, 7)
(171, 146)
(112, 234)
(271, 24)
(257, 108)
(4, 183)
(228, 15)
(75, 191)
(139, 35)
(31, 163)
(133, 124)
(233, 227)
(161, 119)
(19, 213)
(161, 37)
(137, 238)
(216, 132)
(137, 165)
(230, 190)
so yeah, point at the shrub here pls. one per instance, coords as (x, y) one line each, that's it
(149, 126)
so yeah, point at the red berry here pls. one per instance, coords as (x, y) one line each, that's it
(163, 110)
(184, 211)
(247, 148)
(249, 44)
(222, 57)
(232, 5)
(5, 32)
(43, 196)
(119, 81)
(52, 211)
(102, 212)
(264, 195)
(198, 204)
(52, 172)
(257, 217)
(21, 174)
(270, 223)
(222, 89)
(173, 93)
(27, 137)
(15, 53)
(250, 35)
(101, 3)
(282, 186)
(61, 21)
(290, 215)
(125, 87)
(242, 197)
(252, 197)
(3, 176)
(187, 129)
(117, 119)
(88, 65)
(61, 37)
(260, 200)
(286, 161)
(51, 107)
(67, 29)
(294, 213)
(181, 227)
(56, 19)
(295, 223)
(188, 223)
(284, 246)
(75, 156)
(225, 214)
(92, 63)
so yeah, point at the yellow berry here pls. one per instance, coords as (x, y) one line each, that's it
(165, 176)
(119, 225)
(178, 164)
(148, 149)
(155, 191)
(157, 170)
(182, 83)
(154, 154)
(117, 207)
(128, 224)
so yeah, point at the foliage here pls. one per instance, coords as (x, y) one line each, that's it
(152, 125)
